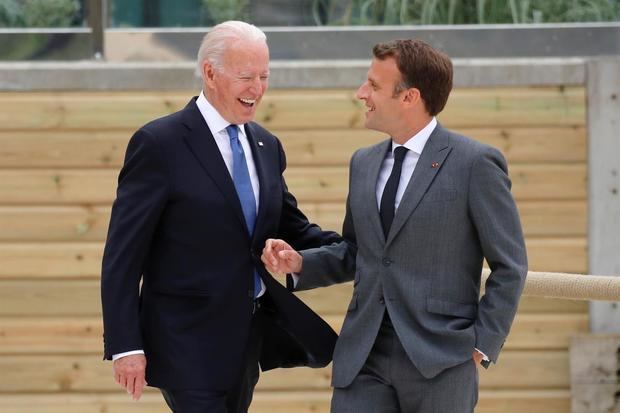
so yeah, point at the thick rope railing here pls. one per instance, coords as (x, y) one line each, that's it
(569, 286)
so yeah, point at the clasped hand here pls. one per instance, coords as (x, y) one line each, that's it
(280, 258)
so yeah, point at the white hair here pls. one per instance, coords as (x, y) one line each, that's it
(220, 37)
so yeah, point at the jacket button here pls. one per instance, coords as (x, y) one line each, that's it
(386, 262)
(382, 300)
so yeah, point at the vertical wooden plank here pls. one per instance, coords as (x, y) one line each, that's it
(603, 88)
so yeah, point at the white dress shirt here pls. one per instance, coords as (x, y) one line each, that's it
(415, 144)
(217, 125)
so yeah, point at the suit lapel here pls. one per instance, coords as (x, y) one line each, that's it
(435, 152)
(203, 146)
(370, 190)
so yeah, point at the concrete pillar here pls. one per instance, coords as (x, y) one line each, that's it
(603, 88)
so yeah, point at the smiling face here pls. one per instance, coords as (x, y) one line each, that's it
(236, 89)
(386, 110)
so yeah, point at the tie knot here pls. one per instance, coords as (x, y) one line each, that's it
(399, 154)
(233, 132)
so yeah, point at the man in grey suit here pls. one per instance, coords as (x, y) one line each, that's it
(424, 209)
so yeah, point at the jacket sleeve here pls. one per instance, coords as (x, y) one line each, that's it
(334, 263)
(140, 198)
(294, 226)
(496, 220)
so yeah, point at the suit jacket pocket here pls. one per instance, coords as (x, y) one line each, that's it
(441, 195)
(451, 308)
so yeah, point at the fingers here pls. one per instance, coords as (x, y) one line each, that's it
(269, 254)
(129, 373)
(271, 258)
(123, 381)
(131, 384)
(279, 257)
(272, 269)
(138, 387)
(135, 386)
(290, 261)
(268, 250)
(268, 260)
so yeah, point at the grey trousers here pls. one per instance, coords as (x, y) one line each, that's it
(390, 383)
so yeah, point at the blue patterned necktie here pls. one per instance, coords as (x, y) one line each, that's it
(243, 185)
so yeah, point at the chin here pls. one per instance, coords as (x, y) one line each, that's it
(242, 119)
(376, 127)
(248, 116)
(370, 125)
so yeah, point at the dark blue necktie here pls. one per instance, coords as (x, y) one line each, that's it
(243, 185)
(388, 199)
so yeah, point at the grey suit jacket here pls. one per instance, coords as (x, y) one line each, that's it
(456, 210)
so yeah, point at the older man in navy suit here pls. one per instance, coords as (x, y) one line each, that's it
(199, 193)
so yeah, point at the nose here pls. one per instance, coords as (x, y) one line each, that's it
(362, 91)
(258, 85)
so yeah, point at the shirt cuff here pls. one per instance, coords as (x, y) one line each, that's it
(295, 277)
(127, 353)
(484, 356)
(263, 289)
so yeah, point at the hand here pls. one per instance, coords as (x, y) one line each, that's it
(478, 357)
(279, 257)
(129, 373)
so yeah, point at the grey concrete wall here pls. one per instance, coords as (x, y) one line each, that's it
(89, 75)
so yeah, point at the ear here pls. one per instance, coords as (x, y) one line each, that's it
(208, 74)
(412, 96)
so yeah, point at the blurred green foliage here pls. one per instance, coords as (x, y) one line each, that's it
(67, 13)
(10, 13)
(221, 10)
(40, 13)
(396, 12)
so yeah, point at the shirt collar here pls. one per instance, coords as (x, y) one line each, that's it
(417, 142)
(216, 123)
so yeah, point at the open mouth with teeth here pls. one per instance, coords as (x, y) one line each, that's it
(248, 103)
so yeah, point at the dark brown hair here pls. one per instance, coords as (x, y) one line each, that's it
(421, 67)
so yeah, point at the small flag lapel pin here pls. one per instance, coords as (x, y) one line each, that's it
(435, 165)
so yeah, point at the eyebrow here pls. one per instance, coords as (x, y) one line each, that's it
(250, 74)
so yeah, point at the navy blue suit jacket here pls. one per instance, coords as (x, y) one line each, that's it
(177, 225)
